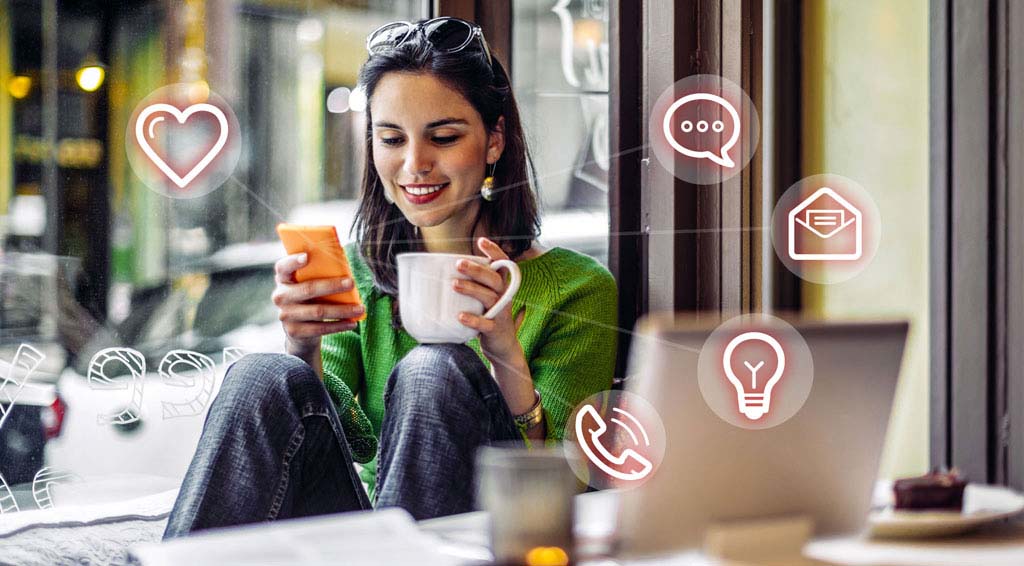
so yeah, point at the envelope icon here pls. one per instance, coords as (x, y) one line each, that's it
(825, 226)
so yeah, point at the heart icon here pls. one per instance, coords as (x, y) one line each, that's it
(181, 117)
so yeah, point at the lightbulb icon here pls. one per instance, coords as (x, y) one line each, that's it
(754, 396)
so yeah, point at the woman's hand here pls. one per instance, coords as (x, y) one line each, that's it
(498, 335)
(304, 318)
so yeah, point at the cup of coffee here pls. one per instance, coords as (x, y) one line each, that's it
(429, 305)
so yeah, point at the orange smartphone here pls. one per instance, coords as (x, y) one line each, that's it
(326, 258)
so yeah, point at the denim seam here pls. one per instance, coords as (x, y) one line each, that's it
(293, 446)
(316, 410)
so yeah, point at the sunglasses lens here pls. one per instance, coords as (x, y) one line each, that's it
(449, 34)
(388, 37)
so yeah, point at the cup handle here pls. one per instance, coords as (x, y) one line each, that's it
(510, 291)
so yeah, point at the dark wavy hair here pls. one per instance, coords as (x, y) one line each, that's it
(512, 219)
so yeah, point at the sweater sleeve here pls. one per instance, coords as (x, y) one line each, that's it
(341, 356)
(577, 359)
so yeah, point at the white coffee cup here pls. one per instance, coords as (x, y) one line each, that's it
(429, 305)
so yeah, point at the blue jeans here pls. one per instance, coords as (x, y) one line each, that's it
(273, 447)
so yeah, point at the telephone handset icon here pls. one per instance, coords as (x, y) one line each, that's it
(592, 440)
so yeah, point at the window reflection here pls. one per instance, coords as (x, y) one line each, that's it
(560, 75)
(91, 259)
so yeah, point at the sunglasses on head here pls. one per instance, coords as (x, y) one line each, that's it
(445, 34)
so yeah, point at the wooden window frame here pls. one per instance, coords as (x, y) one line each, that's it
(977, 202)
(703, 243)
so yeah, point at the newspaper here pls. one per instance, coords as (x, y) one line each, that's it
(388, 536)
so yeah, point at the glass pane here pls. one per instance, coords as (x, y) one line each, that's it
(93, 262)
(897, 282)
(560, 77)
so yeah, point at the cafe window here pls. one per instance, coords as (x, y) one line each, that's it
(93, 259)
(560, 76)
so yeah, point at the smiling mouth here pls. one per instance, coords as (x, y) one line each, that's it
(422, 194)
(424, 190)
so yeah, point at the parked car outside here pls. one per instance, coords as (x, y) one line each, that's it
(193, 327)
(31, 357)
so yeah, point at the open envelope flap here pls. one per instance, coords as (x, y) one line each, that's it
(825, 226)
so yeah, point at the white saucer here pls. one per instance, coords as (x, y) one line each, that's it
(983, 505)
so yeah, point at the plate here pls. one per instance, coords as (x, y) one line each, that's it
(983, 505)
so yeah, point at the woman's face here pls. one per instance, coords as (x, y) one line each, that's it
(430, 148)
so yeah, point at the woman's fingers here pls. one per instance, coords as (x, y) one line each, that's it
(491, 249)
(482, 274)
(303, 319)
(307, 330)
(286, 294)
(319, 312)
(520, 318)
(485, 295)
(285, 268)
(477, 322)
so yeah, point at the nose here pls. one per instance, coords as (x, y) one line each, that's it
(419, 159)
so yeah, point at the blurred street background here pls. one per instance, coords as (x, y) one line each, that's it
(92, 259)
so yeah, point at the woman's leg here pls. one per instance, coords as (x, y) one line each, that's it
(441, 404)
(272, 447)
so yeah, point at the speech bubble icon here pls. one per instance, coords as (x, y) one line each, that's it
(720, 157)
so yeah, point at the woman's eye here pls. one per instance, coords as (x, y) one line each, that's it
(445, 139)
(390, 141)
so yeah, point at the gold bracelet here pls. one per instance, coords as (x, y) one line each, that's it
(533, 417)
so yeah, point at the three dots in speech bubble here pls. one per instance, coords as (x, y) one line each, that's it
(704, 129)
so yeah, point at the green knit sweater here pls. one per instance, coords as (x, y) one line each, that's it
(568, 334)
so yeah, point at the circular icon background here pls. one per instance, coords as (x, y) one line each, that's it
(183, 140)
(614, 439)
(826, 228)
(755, 371)
(704, 129)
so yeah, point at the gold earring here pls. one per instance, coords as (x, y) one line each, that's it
(487, 189)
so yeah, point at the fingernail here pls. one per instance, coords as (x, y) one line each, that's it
(346, 284)
(303, 258)
(359, 309)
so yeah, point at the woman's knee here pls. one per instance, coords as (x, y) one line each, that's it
(267, 380)
(432, 370)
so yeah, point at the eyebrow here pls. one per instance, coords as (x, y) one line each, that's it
(434, 124)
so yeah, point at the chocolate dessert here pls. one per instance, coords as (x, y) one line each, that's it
(937, 490)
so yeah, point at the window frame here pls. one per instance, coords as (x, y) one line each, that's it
(704, 244)
(675, 246)
(977, 282)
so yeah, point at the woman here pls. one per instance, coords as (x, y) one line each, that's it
(446, 171)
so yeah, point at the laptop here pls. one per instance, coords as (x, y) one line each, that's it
(822, 463)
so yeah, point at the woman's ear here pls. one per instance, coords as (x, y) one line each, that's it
(496, 141)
